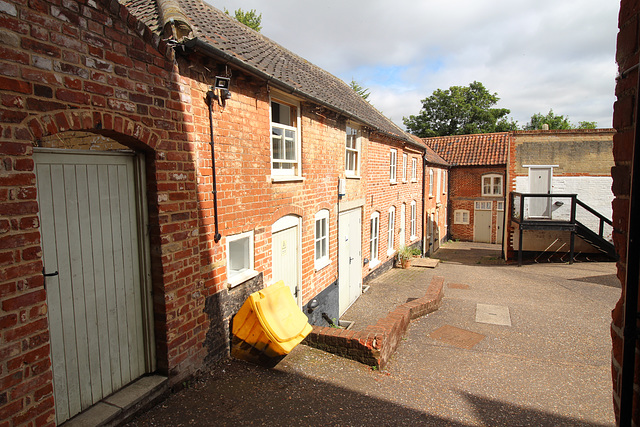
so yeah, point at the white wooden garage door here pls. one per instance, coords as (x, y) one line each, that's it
(89, 211)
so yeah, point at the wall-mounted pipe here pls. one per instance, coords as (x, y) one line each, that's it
(211, 96)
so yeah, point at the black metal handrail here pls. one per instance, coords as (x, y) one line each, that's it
(569, 223)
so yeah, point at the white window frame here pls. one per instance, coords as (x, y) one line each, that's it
(248, 272)
(353, 135)
(414, 169)
(391, 232)
(405, 158)
(374, 239)
(492, 186)
(483, 205)
(294, 173)
(500, 205)
(393, 165)
(461, 216)
(321, 260)
(430, 182)
(412, 227)
(444, 182)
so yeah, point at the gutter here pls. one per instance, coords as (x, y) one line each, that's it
(198, 44)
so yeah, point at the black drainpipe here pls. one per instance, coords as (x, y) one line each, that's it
(210, 97)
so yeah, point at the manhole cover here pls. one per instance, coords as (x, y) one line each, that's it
(457, 337)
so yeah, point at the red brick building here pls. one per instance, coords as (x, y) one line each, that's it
(436, 195)
(125, 249)
(476, 184)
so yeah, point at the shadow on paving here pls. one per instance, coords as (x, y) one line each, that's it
(237, 393)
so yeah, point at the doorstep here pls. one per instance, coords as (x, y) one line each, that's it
(122, 404)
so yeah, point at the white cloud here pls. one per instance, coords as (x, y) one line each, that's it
(536, 54)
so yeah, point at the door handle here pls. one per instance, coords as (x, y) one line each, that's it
(55, 273)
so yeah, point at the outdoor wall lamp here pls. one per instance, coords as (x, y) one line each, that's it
(222, 84)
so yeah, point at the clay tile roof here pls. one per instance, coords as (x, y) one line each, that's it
(256, 53)
(483, 149)
(431, 156)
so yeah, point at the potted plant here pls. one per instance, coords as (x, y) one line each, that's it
(405, 253)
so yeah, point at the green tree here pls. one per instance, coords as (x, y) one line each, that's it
(362, 91)
(556, 122)
(249, 18)
(460, 110)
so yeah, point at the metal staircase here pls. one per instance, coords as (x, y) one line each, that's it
(559, 215)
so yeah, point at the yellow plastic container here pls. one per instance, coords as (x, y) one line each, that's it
(268, 326)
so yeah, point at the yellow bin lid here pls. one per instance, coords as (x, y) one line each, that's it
(278, 312)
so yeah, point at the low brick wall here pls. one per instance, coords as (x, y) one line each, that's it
(376, 343)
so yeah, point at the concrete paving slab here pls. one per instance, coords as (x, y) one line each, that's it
(136, 391)
(458, 286)
(425, 262)
(493, 314)
(98, 414)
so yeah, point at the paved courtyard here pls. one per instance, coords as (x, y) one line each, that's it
(512, 346)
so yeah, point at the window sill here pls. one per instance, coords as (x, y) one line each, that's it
(413, 238)
(352, 176)
(374, 263)
(393, 182)
(414, 181)
(322, 263)
(284, 178)
(391, 253)
(241, 278)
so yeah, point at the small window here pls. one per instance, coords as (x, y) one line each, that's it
(430, 182)
(285, 142)
(500, 206)
(414, 169)
(492, 185)
(391, 231)
(322, 239)
(444, 182)
(373, 239)
(240, 258)
(484, 206)
(404, 168)
(412, 227)
(393, 160)
(352, 167)
(461, 217)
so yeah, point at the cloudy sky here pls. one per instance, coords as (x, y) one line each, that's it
(536, 54)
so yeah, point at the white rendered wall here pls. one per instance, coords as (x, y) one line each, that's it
(595, 191)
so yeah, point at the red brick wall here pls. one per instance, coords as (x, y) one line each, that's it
(62, 69)
(623, 146)
(381, 195)
(436, 206)
(465, 190)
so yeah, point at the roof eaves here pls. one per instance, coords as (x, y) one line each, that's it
(205, 47)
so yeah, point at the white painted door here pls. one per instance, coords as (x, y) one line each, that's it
(482, 222)
(499, 222)
(285, 258)
(540, 183)
(350, 260)
(403, 221)
(89, 220)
